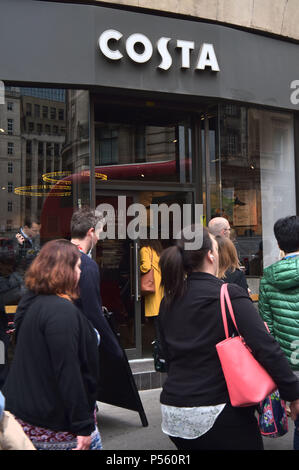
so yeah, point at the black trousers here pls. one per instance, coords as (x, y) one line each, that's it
(234, 429)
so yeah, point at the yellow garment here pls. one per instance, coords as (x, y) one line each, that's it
(152, 301)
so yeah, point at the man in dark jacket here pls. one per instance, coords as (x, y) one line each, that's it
(26, 245)
(279, 295)
(86, 226)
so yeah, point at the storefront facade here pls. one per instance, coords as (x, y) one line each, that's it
(102, 104)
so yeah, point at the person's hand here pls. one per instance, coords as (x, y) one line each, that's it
(83, 443)
(20, 238)
(294, 406)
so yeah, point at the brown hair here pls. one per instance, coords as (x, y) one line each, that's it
(53, 270)
(228, 257)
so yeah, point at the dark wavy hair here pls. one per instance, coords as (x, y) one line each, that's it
(53, 270)
(176, 262)
(286, 231)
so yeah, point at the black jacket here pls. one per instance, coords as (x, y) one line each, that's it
(190, 330)
(53, 378)
(90, 304)
(236, 277)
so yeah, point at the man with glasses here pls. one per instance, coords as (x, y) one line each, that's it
(219, 226)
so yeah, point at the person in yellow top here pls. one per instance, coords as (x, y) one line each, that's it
(149, 257)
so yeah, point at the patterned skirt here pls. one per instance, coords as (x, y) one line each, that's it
(45, 439)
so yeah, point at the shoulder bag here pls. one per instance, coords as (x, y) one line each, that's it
(147, 281)
(248, 383)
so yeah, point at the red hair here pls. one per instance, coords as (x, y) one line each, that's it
(53, 270)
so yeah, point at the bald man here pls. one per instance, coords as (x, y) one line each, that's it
(219, 226)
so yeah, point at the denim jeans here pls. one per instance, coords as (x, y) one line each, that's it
(296, 423)
(296, 434)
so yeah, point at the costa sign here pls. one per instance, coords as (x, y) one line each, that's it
(110, 46)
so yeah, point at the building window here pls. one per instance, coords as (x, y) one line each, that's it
(10, 148)
(55, 130)
(53, 113)
(10, 124)
(61, 114)
(48, 129)
(40, 165)
(39, 128)
(9, 106)
(40, 149)
(28, 147)
(9, 206)
(49, 149)
(31, 126)
(56, 150)
(45, 112)
(9, 225)
(232, 141)
(28, 109)
(36, 110)
(10, 167)
(10, 187)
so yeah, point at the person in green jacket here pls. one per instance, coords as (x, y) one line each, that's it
(279, 296)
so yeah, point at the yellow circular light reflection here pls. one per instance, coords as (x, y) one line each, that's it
(57, 176)
(34, 190)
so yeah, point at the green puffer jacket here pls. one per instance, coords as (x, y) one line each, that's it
(279, 305)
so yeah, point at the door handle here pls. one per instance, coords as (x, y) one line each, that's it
(137, 273)
(132, 270)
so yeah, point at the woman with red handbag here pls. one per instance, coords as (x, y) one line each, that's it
(196, 409)
(151, 289)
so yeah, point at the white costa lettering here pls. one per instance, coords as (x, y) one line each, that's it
(206, 57)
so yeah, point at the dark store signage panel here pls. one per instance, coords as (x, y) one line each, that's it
(63, 43)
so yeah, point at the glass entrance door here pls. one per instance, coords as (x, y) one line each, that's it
(142, 151)
(118, 258)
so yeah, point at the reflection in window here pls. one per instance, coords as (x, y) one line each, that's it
(34, 153)
(10, 148)
(143, 144)
(10, 123)
(257, 180)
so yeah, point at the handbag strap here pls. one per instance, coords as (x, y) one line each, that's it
(224, 297)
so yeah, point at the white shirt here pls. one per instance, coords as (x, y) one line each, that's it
(189, 423)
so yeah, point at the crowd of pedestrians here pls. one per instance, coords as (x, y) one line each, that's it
(49, 396)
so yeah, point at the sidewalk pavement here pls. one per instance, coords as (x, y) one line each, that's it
(121, 429)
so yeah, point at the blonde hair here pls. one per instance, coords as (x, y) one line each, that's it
(228, 257)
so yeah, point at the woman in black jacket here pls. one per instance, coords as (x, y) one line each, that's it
(196, 410)
(229, 266)
(52, 383)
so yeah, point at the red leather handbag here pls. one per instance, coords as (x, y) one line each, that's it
(147, 280)
(248, 383)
